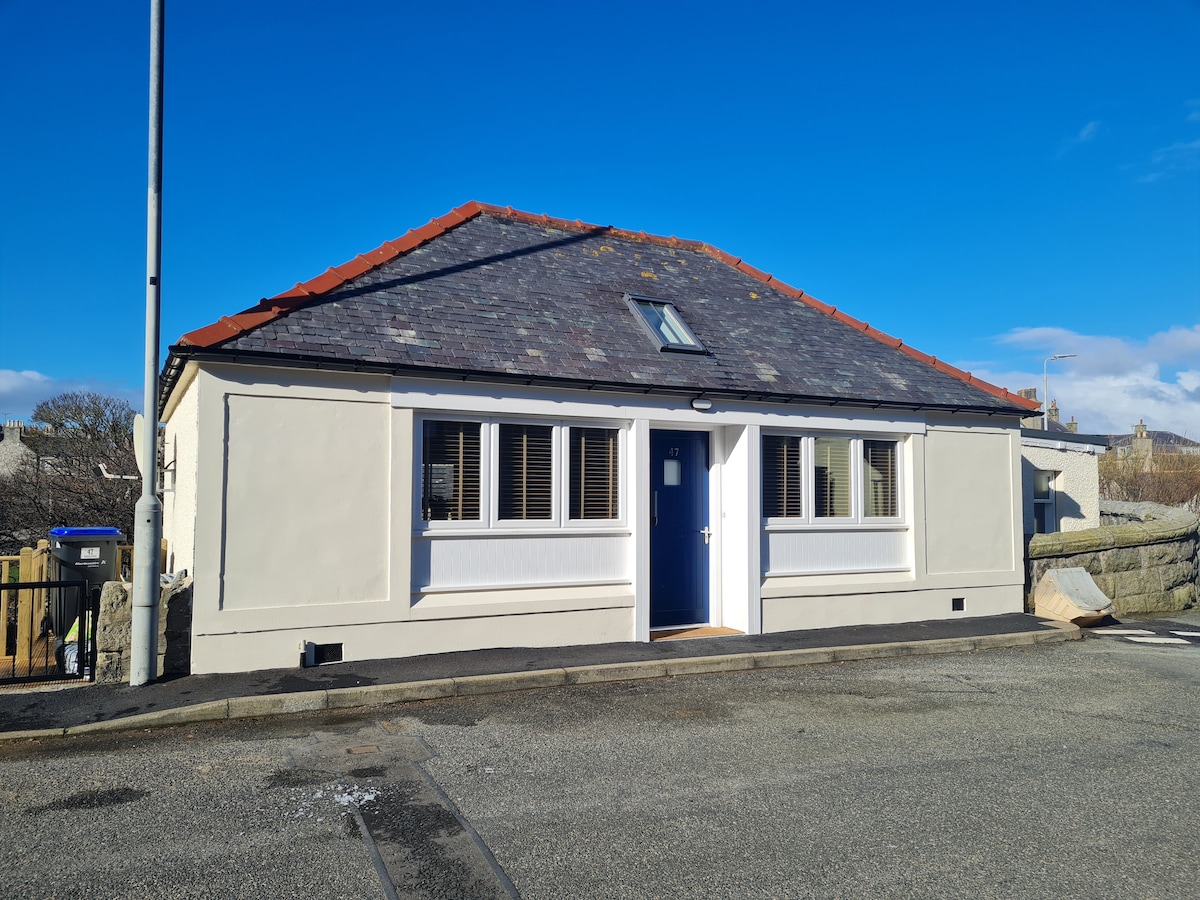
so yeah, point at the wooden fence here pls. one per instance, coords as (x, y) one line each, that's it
(22, 648)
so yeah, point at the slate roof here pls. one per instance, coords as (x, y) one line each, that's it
(493, 293)
(1163, 441)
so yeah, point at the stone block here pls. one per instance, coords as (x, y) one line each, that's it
(1107, 585)
(111, 668)
(1175, 574)
(116, 611)
(1121, 559)
(1182, 597)
(1165, 554)
(1092, 563)
(175, 615)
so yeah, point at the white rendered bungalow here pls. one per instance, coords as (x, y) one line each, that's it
(510, 430)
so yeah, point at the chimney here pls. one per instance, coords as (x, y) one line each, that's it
(1028, 393)
(1142, 444)
(13, 429)
(1052, 412)
(1073, 426)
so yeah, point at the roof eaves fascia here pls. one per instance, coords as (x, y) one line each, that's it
(182, 354)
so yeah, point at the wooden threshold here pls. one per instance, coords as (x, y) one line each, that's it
(683, 634)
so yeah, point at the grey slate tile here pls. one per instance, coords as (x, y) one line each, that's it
(482, 294)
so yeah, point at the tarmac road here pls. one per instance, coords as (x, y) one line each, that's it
(1055, 771)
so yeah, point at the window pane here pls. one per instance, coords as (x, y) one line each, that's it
(595, 473)
(831, 465)
(782, 476)
(450, 476)
(1041, 485)
(526, 467)
(666, 322)
(880, 491)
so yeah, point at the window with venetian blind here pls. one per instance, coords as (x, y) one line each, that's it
(831, 481)
(450, 482)
(526, 471)
(782, 476)
(489, 472)
(881, 497)
(836, 486)
(595, 471)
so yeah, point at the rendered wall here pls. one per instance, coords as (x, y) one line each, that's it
(307, 530)
(180, 438)
(960, 544)
(1076, 489)
(970, 501)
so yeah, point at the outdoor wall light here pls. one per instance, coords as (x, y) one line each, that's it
(701, 404)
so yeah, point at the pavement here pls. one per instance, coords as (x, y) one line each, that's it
(58, 711)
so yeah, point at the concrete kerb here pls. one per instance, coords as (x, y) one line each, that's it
(473, 685)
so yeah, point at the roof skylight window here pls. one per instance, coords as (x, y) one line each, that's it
(662, 320)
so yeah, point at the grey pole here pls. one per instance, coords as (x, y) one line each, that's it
(1046, 387)
(147, 515)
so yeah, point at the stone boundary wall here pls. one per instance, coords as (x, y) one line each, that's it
(113, 631)
(1143, 557)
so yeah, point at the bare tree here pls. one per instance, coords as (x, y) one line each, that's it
(1172, 479)
(82, 436)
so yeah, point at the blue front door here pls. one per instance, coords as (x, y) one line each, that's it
(679, 530)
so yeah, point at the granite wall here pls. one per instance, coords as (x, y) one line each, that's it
(115, 626)
(1143, 557)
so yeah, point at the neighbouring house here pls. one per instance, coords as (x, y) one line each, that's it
(13, 449)
(1060, 474)
(1146, 442)
(504, 429)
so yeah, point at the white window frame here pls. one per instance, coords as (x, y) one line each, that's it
(1050, 502)
(858, 517)
(489, 476)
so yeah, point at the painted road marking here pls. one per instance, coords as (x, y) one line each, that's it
(1159, 640)
(1121, 631)
(1195, 634)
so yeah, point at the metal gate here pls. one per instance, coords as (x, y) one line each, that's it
(48, 631)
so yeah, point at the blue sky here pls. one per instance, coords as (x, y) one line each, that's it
(993, 184)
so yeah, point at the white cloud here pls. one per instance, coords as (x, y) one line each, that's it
(1114, 382)
(1174, 159)
(1087, 133)
(21, 391)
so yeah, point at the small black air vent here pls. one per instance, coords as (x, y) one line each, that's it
(326, 653)
(957, 604)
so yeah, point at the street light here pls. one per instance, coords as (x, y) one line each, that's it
(1046, 387)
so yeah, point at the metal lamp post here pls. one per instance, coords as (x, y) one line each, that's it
(147, 534)
(1046, 387)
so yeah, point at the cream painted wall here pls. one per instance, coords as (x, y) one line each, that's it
(1077, 486)
(963, 542)
(303, 496)
(306, 481)
(180, 448)
(738, 527)
(971, 511)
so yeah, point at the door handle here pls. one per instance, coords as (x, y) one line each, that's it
(654, 508)
(707, 532)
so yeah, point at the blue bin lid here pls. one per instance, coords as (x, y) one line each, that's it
(86, 532)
